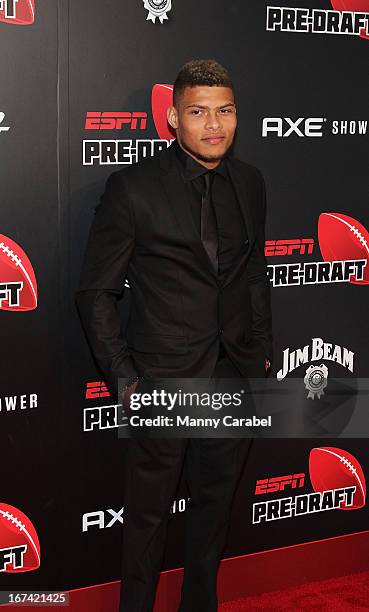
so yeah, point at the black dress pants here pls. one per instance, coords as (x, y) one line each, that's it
(153, 469)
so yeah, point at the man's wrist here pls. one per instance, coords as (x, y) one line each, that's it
(131, 382)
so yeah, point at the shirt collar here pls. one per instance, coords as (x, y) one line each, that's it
(191, 169)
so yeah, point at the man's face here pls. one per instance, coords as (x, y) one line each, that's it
(205, 122)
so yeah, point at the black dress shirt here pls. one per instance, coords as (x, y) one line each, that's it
(231, 228)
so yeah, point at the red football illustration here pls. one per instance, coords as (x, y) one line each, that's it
(19, 12)
(343, 238)
(16, 268)
(334, 468)
(17, 530)
(352, 6)
(161, 99)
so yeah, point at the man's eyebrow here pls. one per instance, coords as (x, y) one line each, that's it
(206, 107)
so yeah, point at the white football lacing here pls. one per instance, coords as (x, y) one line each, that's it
(348, 464)
(352, 229)
(13, 519)
(17, 260)
(21, 526)
(5, 249)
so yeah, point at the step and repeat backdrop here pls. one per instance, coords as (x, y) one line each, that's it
(84, 90)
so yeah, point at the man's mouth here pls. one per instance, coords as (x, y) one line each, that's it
(213, 139)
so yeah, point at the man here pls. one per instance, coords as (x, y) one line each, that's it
(186, 227)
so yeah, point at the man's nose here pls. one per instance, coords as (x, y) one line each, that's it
(212, 121)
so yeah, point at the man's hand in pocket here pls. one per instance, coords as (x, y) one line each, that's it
(126, 393)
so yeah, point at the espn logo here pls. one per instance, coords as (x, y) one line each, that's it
(275, 248)
(19, 12)
(96, 389)
(115, 121)
(279, 483)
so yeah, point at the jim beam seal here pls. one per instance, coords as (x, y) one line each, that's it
(316, 380)
(157, 9)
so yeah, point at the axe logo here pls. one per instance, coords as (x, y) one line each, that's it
(283, 127)
(102, 519)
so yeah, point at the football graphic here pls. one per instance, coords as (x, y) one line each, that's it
(19, 12)
(334, 468)
(353, 6)
(342, 238)
(16, 530)
(15, 267)
(161, 99)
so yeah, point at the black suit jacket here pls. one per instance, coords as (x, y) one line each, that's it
(144, 231)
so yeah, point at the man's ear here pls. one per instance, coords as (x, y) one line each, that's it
(172, 117)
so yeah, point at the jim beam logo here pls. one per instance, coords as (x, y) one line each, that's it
(157, 9)
(316, 375)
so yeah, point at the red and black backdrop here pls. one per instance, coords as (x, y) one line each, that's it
(84, 87)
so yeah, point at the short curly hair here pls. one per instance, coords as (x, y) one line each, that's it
(200, 72)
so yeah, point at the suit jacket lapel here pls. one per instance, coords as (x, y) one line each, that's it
(179, 196)
(239, 184)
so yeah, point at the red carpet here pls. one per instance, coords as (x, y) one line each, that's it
(336, 595)
(345, 594)
(330, 575)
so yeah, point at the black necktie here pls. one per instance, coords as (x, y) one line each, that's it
(209, 231)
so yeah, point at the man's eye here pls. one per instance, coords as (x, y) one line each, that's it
(226, 110)
(195, 112)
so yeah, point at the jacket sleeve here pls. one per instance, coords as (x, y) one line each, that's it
(108, 252)
(260, 284)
